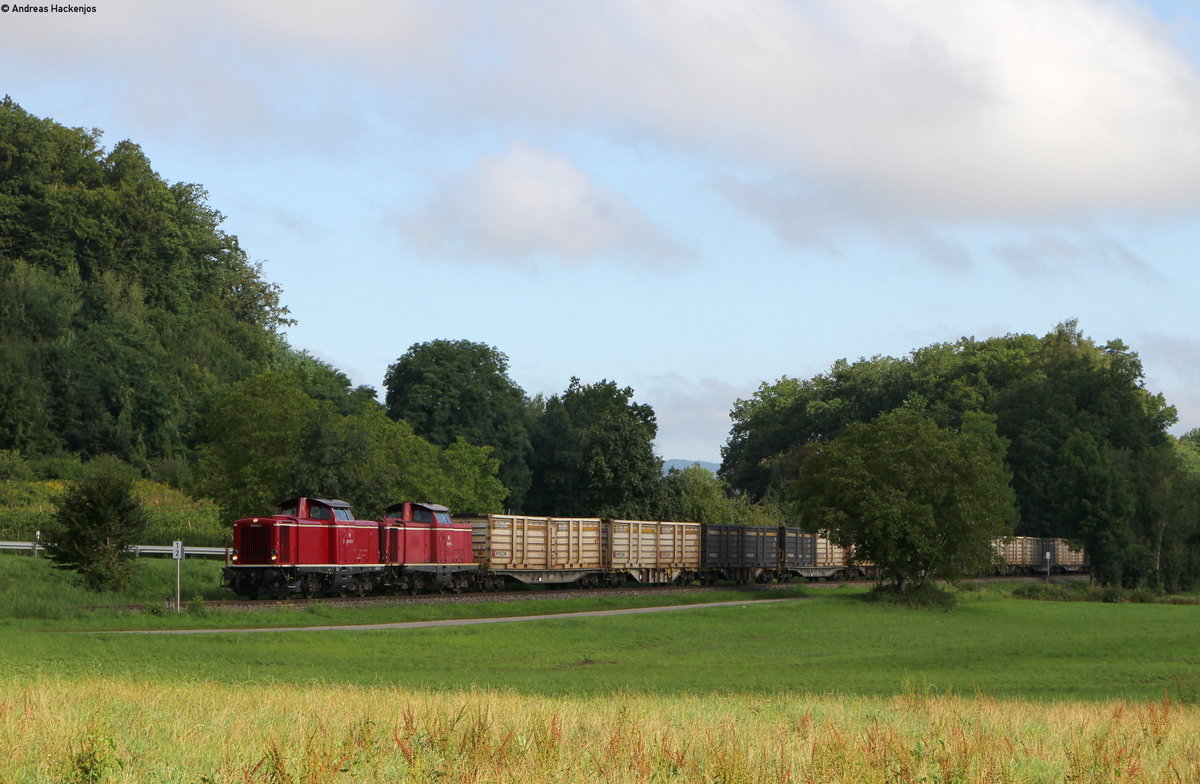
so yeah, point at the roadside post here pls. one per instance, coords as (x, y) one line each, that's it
(1047, 566)
(37, 540)
(177, 554)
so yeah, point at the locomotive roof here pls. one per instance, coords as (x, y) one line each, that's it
(327, 501)
(423, 505)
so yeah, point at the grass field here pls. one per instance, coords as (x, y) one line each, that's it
(121, 730)
(826, 688)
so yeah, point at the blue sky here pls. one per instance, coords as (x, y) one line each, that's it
(688, 197)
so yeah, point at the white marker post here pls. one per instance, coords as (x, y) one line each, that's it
(177, 554)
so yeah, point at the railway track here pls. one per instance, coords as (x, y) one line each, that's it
(519, 595)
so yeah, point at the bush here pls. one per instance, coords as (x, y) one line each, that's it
(13, 466)
(97, 521)
(69, 467)
(927, 596)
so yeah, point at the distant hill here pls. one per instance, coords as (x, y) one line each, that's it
(682, 464)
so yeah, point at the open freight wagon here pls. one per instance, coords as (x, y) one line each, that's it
(583, 551)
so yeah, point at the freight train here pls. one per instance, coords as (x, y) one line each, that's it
(316, 546)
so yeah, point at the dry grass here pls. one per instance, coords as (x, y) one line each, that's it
(104, 730)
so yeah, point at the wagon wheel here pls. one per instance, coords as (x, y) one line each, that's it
(360, 587)
(308, 589)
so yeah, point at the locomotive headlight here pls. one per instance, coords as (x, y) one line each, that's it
(274, 555)
(234, 556)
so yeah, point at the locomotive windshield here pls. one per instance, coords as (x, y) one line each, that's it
(443, 518)
(343, 514)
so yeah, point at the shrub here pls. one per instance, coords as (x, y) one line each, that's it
(97, 521)
(926, 597)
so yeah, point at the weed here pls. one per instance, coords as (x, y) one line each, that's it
(92, 760)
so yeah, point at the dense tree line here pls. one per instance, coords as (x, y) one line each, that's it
(121, 301)
(1084, 442)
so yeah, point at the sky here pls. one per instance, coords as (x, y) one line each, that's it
(687, 197)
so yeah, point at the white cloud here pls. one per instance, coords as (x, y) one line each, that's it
(902, 115)
(692, 414)
(997, 108)
(529, 203)
(1172, 367)
(1046, 253)
(823, 221)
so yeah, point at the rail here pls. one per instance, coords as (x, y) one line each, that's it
(140, 549)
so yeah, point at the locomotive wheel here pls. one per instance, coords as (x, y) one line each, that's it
(308, 589)
(360, 587)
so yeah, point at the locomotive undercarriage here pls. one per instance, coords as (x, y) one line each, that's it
(280, 582)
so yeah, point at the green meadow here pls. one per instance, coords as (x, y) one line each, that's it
(822, 641)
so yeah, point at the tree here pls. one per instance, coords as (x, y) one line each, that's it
(695, 494)
(593, 454)
(451, 389)
(266, 439)
(97, 520)
(919, 501)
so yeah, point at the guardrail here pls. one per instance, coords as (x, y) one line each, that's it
(140, 549)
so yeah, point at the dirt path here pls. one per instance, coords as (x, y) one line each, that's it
(461, 621)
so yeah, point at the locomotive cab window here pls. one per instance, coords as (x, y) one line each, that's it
(343, 514)
(422, 515)
(442, 518)
(288, 511)
(319, 512)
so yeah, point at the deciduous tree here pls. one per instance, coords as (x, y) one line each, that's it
(593, 454)
(920, 501)
(452, 389)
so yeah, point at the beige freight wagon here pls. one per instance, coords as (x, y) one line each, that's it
(1036, 555)
(653, 551)
(1020, 553)
(1068, 558)
(538, 549)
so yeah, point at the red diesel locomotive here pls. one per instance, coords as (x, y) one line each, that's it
(316, 545)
